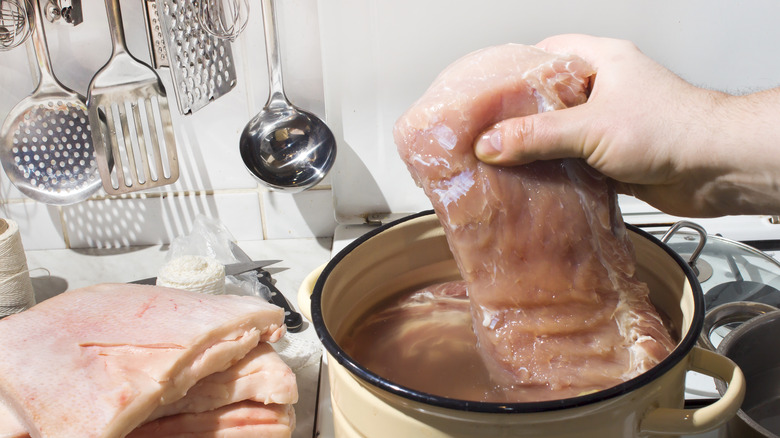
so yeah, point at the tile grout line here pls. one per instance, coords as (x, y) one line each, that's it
(264, 228)
(142, 195)
(65, 235)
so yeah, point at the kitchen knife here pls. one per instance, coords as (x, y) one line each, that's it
(230, 269)
(292, 319)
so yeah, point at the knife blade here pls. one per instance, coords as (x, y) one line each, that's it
(230, 269)
(292, 319)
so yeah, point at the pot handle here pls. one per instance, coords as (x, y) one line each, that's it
(702, 239)
(306, 289)
(669, 421)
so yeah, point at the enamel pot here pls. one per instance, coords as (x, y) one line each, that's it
(413, 252)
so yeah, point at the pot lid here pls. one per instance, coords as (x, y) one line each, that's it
(727, 270)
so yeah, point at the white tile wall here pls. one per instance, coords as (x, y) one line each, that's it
(40, 225)
(109, 223)
(287, 215)
(213, 180)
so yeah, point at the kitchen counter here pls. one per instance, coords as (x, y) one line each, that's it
(71, 269)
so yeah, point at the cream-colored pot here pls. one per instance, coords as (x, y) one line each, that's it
(414, 252)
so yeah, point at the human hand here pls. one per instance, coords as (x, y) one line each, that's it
(643, 126)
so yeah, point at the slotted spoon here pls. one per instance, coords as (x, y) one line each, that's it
(45, 143)
(128, 110)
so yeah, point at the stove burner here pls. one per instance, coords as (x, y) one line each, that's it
(741, 291)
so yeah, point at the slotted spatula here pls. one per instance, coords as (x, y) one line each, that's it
(45, 144)
(130, 119)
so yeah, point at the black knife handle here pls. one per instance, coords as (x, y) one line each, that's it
(292, 319)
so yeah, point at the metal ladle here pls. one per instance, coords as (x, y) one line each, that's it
(288, 149)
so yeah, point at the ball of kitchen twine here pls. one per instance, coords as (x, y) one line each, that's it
(16, 291)
(193, 273)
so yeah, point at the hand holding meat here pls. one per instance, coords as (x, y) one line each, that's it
(555, 303)
(685, 150)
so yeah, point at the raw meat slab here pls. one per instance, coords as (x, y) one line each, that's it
(549, 265)
(96, 361)
(10, 426)
(261, 376)
(245, 419)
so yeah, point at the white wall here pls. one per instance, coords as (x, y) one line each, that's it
(379, 55)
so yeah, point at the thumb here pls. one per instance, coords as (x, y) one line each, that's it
(543, 136)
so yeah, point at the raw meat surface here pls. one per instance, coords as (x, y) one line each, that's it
(97, 361)
(10, 427)
(548, 262)
(245, 419)
(260, 376)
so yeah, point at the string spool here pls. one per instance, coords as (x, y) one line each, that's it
(16, 291)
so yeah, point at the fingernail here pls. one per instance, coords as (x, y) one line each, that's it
(489, 144)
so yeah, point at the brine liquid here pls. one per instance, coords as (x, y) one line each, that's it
(424, 340)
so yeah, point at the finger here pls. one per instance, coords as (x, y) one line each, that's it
(544, 136)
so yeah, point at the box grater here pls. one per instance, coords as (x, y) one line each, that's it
(201, 65)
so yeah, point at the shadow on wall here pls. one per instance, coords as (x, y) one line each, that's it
(318, 208)
(368, 194)
(151, 217)
(114, 223)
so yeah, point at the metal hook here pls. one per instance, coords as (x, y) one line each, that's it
(67, 10)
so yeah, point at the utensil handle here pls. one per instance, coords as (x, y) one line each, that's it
(45, 70)
(306, 289)
(668, 421)
(276, 97)
(114, 14)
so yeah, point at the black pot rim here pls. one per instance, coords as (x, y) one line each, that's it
(682, 350)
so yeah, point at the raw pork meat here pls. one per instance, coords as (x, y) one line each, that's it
(97, 361)
(10, 426)
(245, 419)
(260, 376)
(549, 265)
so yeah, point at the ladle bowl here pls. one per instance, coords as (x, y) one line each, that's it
(286, 148)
